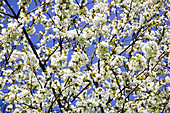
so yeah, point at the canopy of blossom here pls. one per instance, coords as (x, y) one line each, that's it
(85, 56)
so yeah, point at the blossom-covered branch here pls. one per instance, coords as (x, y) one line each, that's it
(84, 56)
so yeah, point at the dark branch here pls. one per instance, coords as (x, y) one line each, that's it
(81, 91)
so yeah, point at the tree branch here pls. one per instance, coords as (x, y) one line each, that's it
(7, 14)
(32, 46)
(15, 16)
(80, 92)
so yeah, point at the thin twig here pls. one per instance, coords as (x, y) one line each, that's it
(81, 91)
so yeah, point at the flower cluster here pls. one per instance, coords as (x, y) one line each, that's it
(84, 56)
(78, 59)
(58, 60)
(137, 63)
(12, 33)
(103, 49)
(150, 49)
(24, 2)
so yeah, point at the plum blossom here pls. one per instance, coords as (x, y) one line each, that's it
(58, 60)
(12, 33)
(150, 49)
(137, 63)
(84, 56)
(25, 2)
(82, 40)
(72, 33)
(103, 49)
(9, 107)
(78, 59)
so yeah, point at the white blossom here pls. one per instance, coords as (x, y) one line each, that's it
(150, 49)
(137, 63)
(78, 60)
(58, 60)
(84, 56)
(103, 49)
